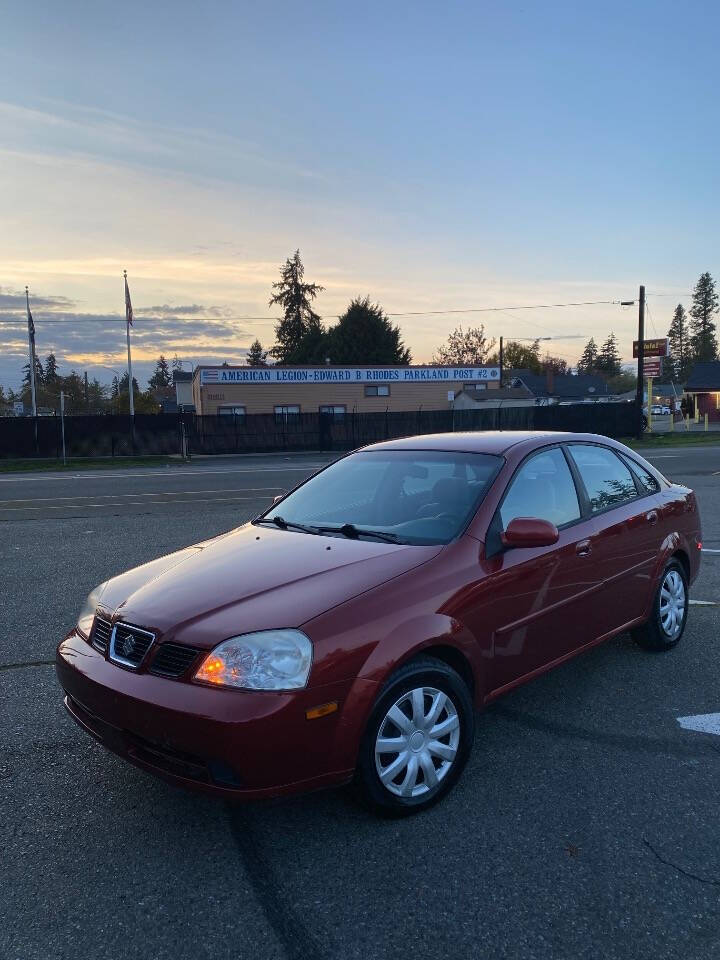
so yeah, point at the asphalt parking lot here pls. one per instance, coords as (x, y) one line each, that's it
(585, 826)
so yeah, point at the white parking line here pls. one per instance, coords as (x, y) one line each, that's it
(170, 472)
(708, 550)
(703, 603)
(126, 503)
(702, 723)
(120, 496)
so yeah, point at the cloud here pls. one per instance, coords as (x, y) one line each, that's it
(193, 309)
(201, 333)
(10, 300)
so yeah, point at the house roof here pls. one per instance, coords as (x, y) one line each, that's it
(704, 377)
(561, 385)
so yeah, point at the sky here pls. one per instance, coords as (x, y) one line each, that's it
(433, 156)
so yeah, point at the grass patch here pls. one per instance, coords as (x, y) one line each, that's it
(99, 463)
(650, 441)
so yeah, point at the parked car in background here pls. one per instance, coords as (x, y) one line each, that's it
(657, 409)
(352, 631)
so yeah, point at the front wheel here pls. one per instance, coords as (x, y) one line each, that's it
(669, 614)
(417, 740)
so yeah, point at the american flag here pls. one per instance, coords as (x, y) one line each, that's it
(31, 328)
(128, 304)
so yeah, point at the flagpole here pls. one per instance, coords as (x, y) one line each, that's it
(130, 373)
(31, 353)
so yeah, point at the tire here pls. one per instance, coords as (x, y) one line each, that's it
(666, 625)
(434, 764)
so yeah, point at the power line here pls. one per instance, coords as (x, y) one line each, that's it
(408, 313)
(531, 306)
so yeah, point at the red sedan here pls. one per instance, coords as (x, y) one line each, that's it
(353, 629)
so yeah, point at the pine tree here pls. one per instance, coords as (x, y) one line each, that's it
(161, 379)
(364, 334)
(588, 361)
(465, 348)
(51, 370)
(256, 356)
(702, 325)
(608, 359)
(295, 297)
(679, 363)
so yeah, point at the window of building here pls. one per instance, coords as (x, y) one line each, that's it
(381, 390)
(336, 411)
(607, 479)
(543, 487)
(231, 410)
(287, 413)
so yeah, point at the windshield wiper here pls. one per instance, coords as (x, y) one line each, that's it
(288, 524)
(353, 532)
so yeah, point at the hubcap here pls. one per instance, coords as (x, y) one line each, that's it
(417, 742)
(672, 604)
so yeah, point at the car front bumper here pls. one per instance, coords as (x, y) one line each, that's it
(240, 743)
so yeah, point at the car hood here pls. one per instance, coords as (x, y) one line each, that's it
(252, 578)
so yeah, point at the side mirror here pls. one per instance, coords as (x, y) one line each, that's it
(529, 532)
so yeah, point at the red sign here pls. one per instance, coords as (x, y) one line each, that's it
(653, 348)
(652, 367)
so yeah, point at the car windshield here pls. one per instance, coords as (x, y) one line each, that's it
(404, 496)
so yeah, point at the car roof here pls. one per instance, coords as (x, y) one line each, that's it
(488, 441)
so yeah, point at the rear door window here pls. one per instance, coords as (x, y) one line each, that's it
(608, 481)
(648, 482)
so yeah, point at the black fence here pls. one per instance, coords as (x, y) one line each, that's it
(179, 434)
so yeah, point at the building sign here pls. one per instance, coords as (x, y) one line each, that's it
(653, 348)
(218, 375)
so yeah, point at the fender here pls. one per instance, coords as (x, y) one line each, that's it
(672, 543)
(397, 647)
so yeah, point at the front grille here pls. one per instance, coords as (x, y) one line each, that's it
(128, 644)
(101, 634)
(172, 659)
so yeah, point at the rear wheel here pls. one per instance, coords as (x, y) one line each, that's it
(670, 609)
(417, 740)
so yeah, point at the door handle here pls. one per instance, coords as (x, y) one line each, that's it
(652, 516)
(583, 548)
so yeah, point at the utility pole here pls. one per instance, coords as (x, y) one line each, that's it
(641, 362)
(501, 360)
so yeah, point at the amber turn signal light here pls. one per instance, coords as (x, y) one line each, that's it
(322, 711)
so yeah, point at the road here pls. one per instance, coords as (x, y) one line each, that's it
(585, 825)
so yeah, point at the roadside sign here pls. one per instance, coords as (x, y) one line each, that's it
(653, 348)
(19, 408)
(652, 367)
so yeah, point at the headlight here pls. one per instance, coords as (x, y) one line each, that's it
(269, 660)
(87, 613)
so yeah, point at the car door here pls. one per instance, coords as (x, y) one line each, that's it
(625, 532)
(535, 600)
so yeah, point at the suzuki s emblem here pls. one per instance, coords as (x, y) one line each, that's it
(127, 645)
